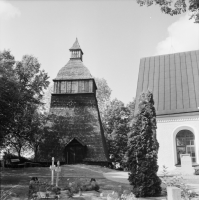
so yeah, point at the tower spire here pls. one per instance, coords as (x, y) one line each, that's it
(76, 51)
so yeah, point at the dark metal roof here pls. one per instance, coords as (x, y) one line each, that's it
(74, 69)
(174, 81)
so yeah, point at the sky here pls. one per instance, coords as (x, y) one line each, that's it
(114, 36)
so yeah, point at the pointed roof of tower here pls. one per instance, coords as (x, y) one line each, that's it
(74, 69)
(76, 46)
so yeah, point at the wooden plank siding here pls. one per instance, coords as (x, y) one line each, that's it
(82, 86)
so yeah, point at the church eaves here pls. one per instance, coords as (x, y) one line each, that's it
(174, 81)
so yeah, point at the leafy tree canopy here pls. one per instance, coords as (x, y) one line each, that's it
(103, 94)
(175, 7)
(116, 123)
(22, 85)
(47, 98)
(37, 132)
(8, 87)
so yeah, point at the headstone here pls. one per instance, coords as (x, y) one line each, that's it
(173, 193)
(98, 198)
(91, 195)
(186, 164)
(41, 195)
(196, 170)
(113, 196)
(52, 167)
(80, 192)
(58, 170)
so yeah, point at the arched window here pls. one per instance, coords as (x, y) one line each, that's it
(185, 144)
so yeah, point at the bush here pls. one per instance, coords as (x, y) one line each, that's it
(143, 149)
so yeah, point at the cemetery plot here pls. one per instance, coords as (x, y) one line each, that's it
(21, 178)
(69, 174)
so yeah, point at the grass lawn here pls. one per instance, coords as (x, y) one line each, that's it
(17, 180)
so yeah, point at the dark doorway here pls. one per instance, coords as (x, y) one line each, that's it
(74, 152)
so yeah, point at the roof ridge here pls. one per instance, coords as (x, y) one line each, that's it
(170, 54)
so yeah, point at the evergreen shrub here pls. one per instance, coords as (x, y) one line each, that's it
(143, 150)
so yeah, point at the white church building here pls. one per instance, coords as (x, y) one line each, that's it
(174, 81)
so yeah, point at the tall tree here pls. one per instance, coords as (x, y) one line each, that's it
(175, 7)
(8, 96)
(143, 149)
(131, 107)
(49, 143)
(47, 98)
(29, 83)
(112, 115)
(103, 94)
(37, 132)
(116, 123)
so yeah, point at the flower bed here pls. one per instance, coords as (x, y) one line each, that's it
(41, 189)
(178, 181)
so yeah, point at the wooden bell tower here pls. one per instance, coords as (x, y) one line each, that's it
(75, 96)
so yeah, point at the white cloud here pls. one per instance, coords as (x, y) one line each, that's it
(7, 10)
(183, 36)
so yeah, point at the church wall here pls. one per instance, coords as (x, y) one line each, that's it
(167, 128)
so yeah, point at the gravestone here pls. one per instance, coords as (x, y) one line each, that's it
(186, 164)
(173, 193)
(52, 168)
(58, 170)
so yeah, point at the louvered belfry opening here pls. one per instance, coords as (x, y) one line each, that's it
(74, 97)
(76, 51)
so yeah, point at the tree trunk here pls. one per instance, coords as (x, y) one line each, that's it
(19, 152)
(36, 153)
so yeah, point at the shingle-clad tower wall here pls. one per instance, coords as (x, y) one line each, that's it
(74, 97)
